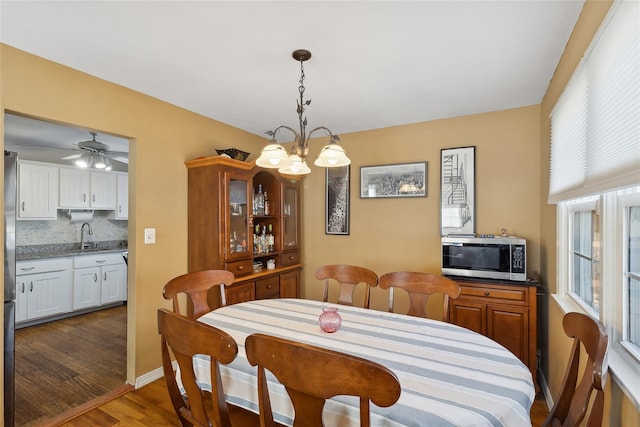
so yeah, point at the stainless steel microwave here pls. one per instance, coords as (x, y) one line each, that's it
(503, 258)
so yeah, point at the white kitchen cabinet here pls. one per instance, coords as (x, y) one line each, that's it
(98, 280)
(103, 190)
(122, 195)
(75, 188)
(37, 190)
(84, 189)
(43, 288)
(86, 287)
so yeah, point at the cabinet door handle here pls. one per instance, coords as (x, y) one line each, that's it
(240, 267)
(105, 276)
(486, 294)
(100, 261)
(23, 288)
(22, 206)
(93, 198)
(119, 208)
(26, 268)
(31, 287)
(291, 257)
(269, 286)
(95, 277)
(84, 197)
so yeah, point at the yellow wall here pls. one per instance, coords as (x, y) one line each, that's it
(404, 233)
(164, 137)
(618, 408)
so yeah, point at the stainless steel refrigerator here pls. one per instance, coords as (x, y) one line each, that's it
(10, 194)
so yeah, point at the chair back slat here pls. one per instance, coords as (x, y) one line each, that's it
(312, 374)
(347, 277)
(185, 337)
(419, 287)
(196, 286)
(571, 406)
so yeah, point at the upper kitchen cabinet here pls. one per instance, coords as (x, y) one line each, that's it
(37, 190)
(122, 196)
(244, 219)
(84, 189)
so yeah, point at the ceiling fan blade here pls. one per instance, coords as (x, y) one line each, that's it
(71, 157)
(121, 159)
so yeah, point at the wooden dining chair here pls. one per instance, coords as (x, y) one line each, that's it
(348, 277)
(571, 405)
(311, 375)
(197, 285)
(420, 286)
(185, 338)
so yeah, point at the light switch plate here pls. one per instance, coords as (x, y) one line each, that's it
(149, 236)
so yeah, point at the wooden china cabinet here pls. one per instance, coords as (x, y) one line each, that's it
(503, 311)
(225, 233)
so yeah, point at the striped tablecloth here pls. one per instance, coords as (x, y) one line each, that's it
(450, 376)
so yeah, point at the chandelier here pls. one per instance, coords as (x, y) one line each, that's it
(293, 162)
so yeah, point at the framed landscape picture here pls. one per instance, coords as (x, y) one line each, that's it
(457, 191)
(399, 180)
(337, 200)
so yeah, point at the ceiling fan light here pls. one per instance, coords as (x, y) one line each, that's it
(83, 162)
(100, 163)
(332, 155)
(107, 164)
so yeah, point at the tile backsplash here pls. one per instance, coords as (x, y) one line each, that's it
(66, 231)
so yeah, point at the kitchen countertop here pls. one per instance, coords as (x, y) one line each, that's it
(34, 252)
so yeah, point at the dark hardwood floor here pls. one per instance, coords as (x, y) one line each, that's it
(61, 365)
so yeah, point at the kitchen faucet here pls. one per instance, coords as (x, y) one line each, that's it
(83, 244)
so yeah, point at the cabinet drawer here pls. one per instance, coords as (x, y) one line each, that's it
(42, 266)
(511, 294)
(240, 268)
(290, 258)
(242, 292)
(97, 260)
(268, 287)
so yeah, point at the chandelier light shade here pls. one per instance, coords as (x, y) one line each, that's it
(297, 167)
(273, 156)
(293, 162)
(332, 156)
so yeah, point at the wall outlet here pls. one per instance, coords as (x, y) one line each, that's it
(149, 236)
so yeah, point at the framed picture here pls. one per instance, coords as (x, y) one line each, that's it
(337, 200)
(457, 191)
(401, 180)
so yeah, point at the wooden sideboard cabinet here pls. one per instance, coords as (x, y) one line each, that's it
(503, 311)
(224, 228)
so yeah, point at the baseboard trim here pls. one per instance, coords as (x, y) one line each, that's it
(86, 407)
(150, 377)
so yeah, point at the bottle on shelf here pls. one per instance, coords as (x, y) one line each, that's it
(267, 210)
(270, 239)
(233, 243)
(259, 201)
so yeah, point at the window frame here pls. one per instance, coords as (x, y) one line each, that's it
(624, 357)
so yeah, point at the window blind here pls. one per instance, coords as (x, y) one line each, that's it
(595, 125)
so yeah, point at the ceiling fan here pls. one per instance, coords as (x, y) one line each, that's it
(96, 154)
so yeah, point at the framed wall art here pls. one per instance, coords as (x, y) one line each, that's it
(337, 200)
(457, 191)
(399, 180)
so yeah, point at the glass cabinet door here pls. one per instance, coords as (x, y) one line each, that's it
(290, 217)
(237, 224)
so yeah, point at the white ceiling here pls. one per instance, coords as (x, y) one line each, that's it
(375, 64)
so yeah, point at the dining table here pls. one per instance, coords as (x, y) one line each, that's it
(449, 375)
